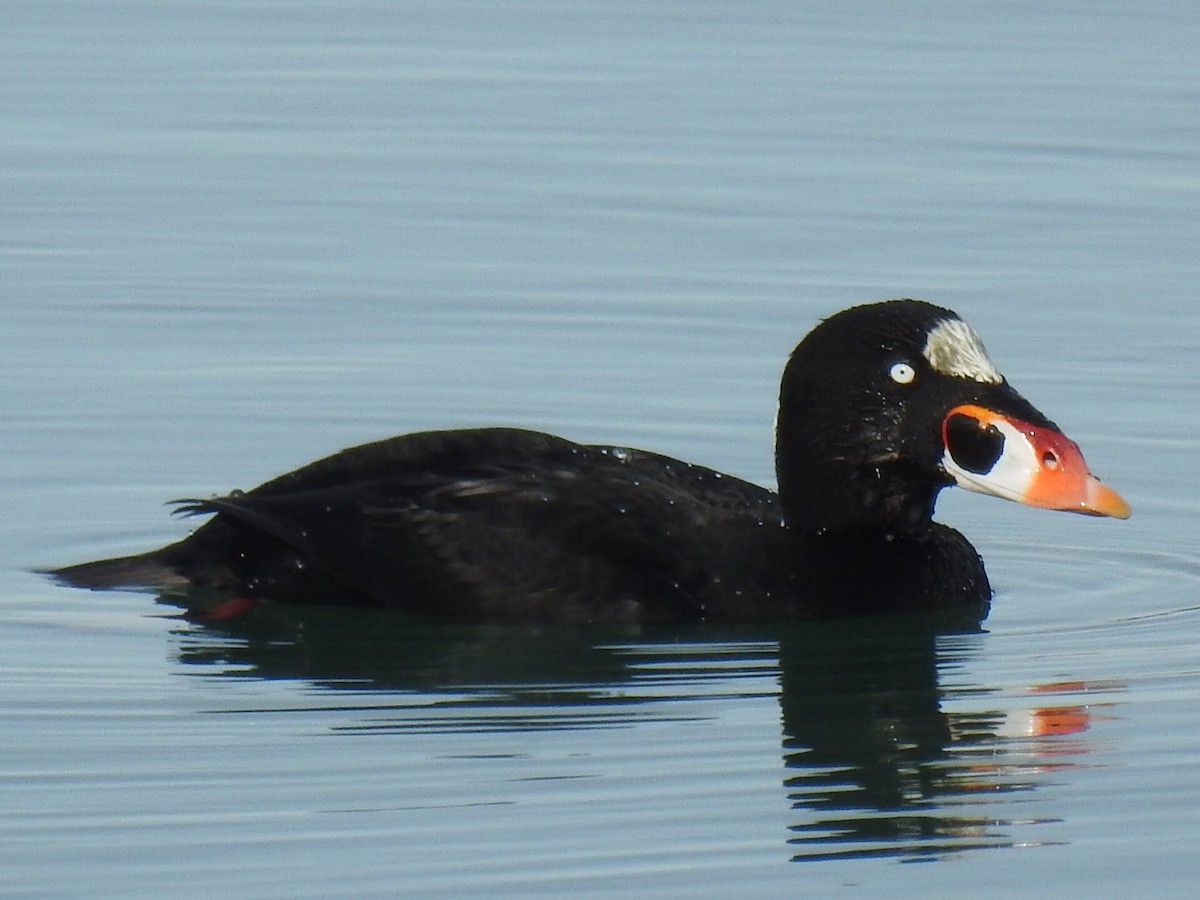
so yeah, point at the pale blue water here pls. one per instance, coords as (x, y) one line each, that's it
(235, 237)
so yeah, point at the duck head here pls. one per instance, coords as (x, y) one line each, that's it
(881, 406)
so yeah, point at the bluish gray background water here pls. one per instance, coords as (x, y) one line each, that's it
(237, 236)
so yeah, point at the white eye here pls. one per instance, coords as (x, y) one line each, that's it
(902, 373)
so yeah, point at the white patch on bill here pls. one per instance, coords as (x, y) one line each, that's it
(953, 348)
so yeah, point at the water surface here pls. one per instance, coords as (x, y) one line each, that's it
(237, 237)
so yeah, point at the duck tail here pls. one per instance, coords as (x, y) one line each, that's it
(142, 570)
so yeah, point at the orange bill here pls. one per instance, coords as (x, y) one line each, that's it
(989, 452)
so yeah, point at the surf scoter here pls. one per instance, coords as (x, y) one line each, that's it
(881, 406)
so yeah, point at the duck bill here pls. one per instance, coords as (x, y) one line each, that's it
(992, 453)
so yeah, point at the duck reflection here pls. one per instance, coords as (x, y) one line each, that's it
(880, 757)
(876, 761)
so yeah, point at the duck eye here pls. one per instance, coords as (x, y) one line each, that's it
(902, 373)
(974, 445)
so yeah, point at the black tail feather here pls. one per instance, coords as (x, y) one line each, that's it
(144, 570)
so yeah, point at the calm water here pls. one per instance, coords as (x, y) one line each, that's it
(235, 237)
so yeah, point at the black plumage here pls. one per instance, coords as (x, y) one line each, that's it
(502, 524)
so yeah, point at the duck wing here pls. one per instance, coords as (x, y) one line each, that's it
(483, 524)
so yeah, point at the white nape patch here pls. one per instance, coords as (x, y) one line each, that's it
(953, 348)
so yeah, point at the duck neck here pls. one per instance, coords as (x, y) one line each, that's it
(823, 489)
